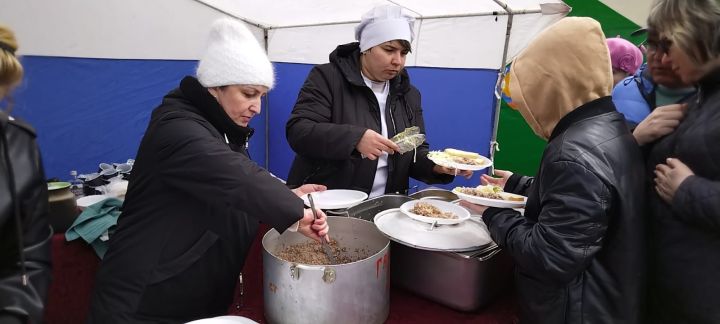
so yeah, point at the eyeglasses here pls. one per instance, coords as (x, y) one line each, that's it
(661, 46)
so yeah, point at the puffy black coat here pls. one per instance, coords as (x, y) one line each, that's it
(26, 251)
(333, 111)
(579, 248)
(189, 218)
(685, 235)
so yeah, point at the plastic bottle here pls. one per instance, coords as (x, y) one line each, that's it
(76, 185)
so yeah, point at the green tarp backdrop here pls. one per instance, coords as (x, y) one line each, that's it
(520, 149)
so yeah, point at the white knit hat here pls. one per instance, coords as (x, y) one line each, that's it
(233, 56)
(384, 23)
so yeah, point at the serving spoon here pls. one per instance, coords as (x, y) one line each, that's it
(325, 245)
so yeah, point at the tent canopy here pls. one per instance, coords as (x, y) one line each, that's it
(452, 34)
(96, 69)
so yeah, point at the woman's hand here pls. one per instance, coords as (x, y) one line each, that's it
(500, 182)
(455, 172)
(308, 188)
(668, 178)
(474, 208)
(314, 228)
(372, 145)
(661, 121)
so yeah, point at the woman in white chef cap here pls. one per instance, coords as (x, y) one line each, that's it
(349, 108)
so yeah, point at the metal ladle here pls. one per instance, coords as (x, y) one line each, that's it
(325, 246)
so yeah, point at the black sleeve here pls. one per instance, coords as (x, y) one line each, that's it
(193, 161)
(310, 130)
(518, 184)
(697, 202)
(570, 228)
(16, 299)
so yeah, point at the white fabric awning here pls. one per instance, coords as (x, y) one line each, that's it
(454, 34)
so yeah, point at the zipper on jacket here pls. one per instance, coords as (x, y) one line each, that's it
(4, 121)
(392, 120)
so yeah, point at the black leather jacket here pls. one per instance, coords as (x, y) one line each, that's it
(24, 249)
(579, 246)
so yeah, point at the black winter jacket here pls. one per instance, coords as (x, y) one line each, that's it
(685, 235)
(24, 250)
(189, 217)
(579, 247)
(333, 111)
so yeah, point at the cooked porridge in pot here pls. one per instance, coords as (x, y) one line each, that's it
(311, 252)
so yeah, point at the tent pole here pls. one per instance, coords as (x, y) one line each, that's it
(465, 15)
(267, 112)
(494, 146)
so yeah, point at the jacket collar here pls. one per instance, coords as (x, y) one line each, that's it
(593, 108)
(213, 112)
(347, 58)
(708, 84)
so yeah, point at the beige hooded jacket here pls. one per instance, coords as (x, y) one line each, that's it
(579, 246)
(546, 83)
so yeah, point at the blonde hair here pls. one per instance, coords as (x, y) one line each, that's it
(11, 71)
(692, 25)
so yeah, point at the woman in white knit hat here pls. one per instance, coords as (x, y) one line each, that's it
(348, 108)
(193, 207)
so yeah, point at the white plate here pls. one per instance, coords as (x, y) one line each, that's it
(439, 160)
(336, 198)
(501, 203)
(224, 320)
(444, 206)
(470, 235)
(84, 202)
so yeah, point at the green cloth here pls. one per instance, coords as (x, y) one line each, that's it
(93, 222)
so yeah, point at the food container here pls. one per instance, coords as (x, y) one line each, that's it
(62, 208)
(436, 194)
(367, 210)
(356, 292)
(464, 281)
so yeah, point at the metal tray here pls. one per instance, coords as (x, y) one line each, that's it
(465, 281)
(435, 193)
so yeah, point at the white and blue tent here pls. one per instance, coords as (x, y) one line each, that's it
(96, 69)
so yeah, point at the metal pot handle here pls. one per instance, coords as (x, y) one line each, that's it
(342, 212)
(489, 255)
(329, 274)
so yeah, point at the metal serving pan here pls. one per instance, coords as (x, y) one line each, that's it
(464, 281)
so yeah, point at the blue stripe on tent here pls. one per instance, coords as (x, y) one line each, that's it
(88, 111)
(457, 106)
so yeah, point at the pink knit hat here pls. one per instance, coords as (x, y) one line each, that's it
(624, 55)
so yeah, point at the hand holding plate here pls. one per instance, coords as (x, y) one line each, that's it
(474, 208)
(500, 182)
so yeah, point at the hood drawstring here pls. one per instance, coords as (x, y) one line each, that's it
(13, 197)
(408, 110)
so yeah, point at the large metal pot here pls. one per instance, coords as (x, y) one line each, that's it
(355, 292)
(62, 208)
(464, 281)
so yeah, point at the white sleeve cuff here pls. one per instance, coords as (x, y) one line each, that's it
(294, 227)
